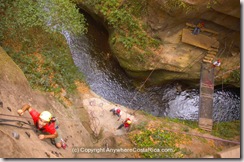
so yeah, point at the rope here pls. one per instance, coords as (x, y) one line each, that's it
(222, 83)
(20, 123)
(15, 116)
(15, 126)
(139, 90)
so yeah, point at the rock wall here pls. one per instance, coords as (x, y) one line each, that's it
(165, 21)
(14, 93)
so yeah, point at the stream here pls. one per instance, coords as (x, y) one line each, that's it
(91, 54)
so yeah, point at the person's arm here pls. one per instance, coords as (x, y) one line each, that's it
(119, 115)
(23, 109)
(42, 136)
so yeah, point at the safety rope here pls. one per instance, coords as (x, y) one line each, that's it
(20, 123)
(15, 116)
(12, 125)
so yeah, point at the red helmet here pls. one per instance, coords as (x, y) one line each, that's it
(118, 111)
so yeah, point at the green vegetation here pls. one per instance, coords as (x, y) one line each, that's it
(158, 140)
(50, 15)
(138, 8)
(211, 3)
(235, 77)
(30, 32)
(227, 130)
(120, 17)
(49, 68)
(172, 5)
(153, 135)
(221, 129)
(189, 123)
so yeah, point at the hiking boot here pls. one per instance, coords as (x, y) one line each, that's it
(64, 145)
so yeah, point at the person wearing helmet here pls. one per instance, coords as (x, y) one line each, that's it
(43, 123)
(216, 63)
(116, 111)
(198, 28)
(126, 124)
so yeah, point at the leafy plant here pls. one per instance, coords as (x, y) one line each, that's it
(178, 4)
(211, 3)
(236, 75)
(120, 17)
(227, 129)
(31, 35)
(50, 15)
(162, 142)
(138, 8)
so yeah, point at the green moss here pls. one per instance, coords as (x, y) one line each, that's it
(227, 130)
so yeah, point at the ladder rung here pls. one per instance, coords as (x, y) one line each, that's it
(207, 61)
(206, 95)
(207, 85)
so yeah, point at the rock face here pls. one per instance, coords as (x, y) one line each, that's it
(165, 21)
(87, 123)
(15, 92)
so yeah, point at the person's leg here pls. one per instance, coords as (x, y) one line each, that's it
(127, 129)
(194, 31)
(121, 126)
(58, 141)
(198, 31)
(113, 110)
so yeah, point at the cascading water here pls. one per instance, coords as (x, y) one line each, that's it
(92, 56)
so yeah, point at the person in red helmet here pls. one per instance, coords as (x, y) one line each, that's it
(198, 28)
(116, 111)
(126, 124)
(216, 63)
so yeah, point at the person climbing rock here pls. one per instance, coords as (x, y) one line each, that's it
(116, 111)
(45, 125)
(126, 124)
(198, 28)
